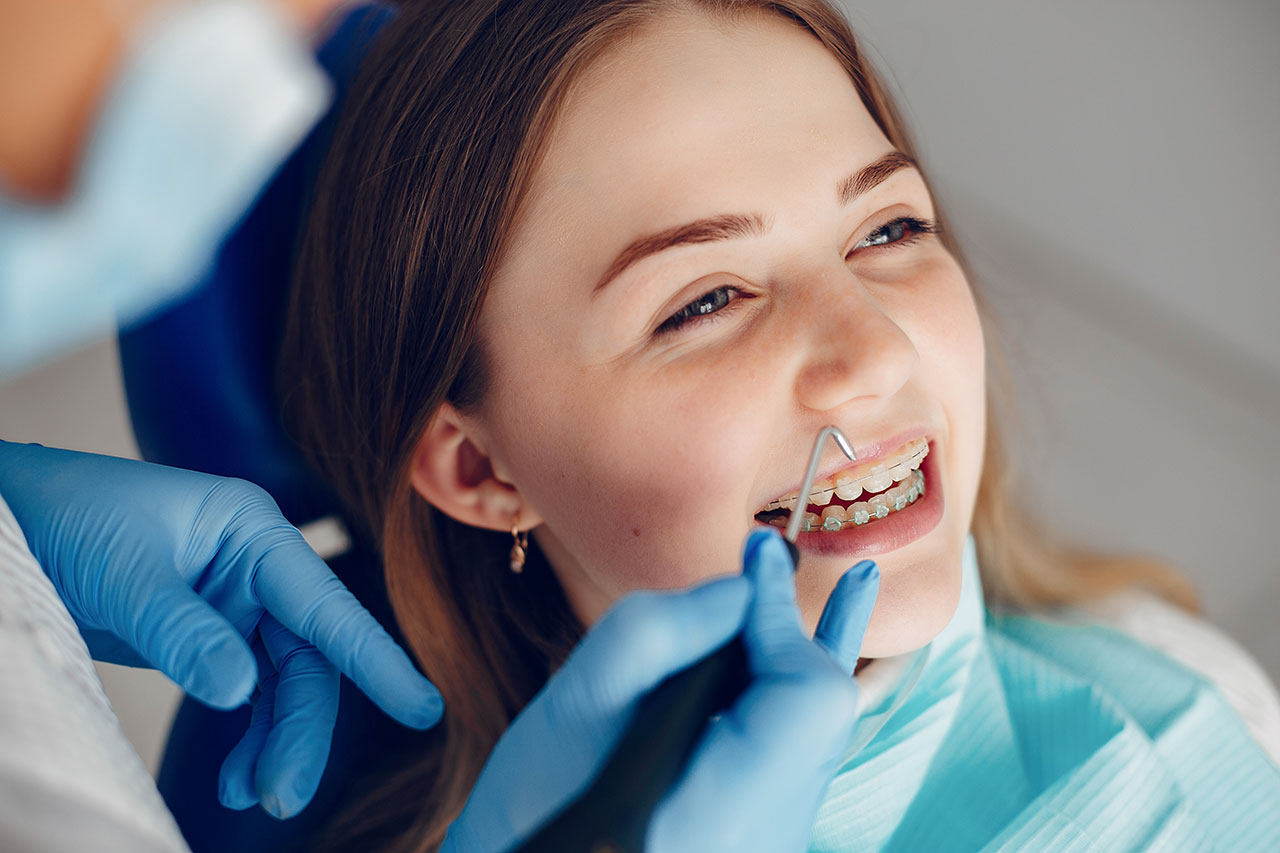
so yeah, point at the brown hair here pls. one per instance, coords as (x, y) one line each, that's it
(438, 139)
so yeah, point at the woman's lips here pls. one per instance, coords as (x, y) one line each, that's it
(884, 534)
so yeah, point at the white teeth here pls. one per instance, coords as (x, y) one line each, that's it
(836, 517)
(877, 479)
(833, 518)
(850, 492)
(847, 489)
(821, 498)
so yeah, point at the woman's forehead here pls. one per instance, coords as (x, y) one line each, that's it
(679, 121)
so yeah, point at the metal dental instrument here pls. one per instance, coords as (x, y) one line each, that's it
(612, 815)
(802, 502)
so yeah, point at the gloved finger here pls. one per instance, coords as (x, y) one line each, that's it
(774, 634)
(795, 679)
(236, 786)
(800, 702)
(760, 770)
(178, 633)
(297, 588)
(763, 765)
(645, 638)
(107, 647)
(306, 708)
(570, 726)
(846, 614)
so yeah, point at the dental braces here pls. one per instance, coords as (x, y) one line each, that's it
(782, 503)
(861, 517)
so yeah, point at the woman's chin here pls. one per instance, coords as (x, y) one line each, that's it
(915, 603)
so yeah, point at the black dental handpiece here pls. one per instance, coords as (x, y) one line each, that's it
(612, 814)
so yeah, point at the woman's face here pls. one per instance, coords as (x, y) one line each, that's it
(647, 412)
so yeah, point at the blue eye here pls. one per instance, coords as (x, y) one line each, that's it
(712, 305)
(900, 232)
(701, 309)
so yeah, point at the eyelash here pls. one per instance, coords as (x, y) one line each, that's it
(691, 314)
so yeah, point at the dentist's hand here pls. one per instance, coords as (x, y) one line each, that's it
(756, 779)
(202, 578)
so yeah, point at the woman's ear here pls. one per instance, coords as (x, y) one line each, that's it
(452, 471)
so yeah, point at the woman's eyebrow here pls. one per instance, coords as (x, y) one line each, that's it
(731, 226)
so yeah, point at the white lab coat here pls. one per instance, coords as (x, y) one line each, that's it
(69, 780)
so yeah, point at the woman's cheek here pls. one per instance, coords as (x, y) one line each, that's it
(617, 496)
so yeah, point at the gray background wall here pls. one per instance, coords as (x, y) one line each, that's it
(1111, 170)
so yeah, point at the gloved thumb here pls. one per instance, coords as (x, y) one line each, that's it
(181, 635)
(568, 730)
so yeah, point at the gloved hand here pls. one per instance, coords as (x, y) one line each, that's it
(202, 578)
(757, 777)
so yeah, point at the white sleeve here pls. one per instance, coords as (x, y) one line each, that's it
(69, 780)
(1205, 650)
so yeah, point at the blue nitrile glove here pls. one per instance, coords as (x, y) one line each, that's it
(198, 576)
(756, 779)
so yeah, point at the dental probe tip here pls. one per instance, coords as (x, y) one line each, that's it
(797, 511)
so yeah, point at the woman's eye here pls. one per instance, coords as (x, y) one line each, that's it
(900, 232)
(700, 309)
(711, 305)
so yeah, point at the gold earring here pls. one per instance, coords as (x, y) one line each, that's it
(519, 542)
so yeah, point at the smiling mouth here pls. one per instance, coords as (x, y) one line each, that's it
(858, 495)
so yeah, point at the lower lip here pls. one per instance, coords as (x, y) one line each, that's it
(899, 528)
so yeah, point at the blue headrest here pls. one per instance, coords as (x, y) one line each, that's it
(199, 376)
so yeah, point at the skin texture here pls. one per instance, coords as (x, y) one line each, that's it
(639, 461)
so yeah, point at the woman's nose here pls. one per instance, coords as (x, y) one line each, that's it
(856, 350)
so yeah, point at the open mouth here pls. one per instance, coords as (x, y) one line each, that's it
(861, 494)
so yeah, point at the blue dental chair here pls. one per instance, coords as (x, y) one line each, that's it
(199, 383)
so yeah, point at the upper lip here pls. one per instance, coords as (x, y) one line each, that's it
(864, 453)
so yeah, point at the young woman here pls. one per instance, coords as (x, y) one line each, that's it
(597, 272)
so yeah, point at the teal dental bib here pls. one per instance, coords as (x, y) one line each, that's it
(1014, 733)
